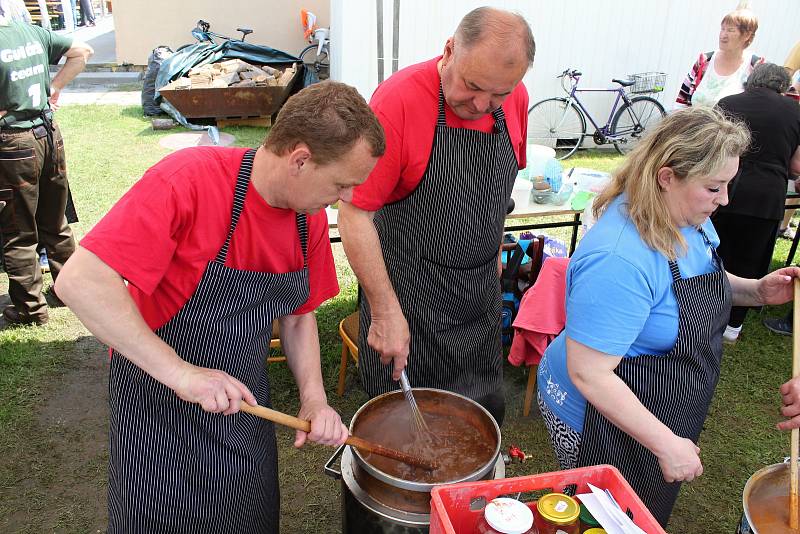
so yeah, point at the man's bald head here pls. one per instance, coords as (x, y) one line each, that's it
(508, 33)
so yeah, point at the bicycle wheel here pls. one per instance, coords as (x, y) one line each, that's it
(321, 64)
(557, 124)
(632, 121)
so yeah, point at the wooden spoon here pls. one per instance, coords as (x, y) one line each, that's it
(794, 506)
(301, 424)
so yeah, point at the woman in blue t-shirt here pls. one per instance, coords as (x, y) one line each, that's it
(630, 379)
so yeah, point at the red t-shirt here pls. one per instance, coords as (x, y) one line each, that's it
(171, 223)
(407, 106)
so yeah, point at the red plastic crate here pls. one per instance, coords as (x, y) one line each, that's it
(450, 505)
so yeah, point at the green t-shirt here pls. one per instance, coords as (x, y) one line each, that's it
(26, 53)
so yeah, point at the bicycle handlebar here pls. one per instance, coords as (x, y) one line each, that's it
(572, 73)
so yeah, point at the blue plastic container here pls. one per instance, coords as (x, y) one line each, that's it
(552, 174)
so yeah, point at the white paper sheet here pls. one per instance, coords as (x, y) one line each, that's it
(607, 513)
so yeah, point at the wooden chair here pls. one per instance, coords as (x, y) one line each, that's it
(526, 407)
(529, 273)
(556, 293)
(275, 343)
(348, 330)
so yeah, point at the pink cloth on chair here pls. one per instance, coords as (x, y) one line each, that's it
(542, 314)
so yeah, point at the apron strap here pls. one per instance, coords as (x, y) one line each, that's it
(239, 193)
(499, 116)
(302, 229)
(673, 265)
(714, 256)
(673, 268)
(440, 120)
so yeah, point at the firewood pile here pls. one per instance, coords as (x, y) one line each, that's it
(234, 73)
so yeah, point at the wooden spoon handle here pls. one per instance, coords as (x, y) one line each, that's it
(277, 417)
(794, 505)
(301, 424)
(390, 453)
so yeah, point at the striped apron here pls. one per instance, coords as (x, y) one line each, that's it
(173, 467)
(677, 387)
(440, 246)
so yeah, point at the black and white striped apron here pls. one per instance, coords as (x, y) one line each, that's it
(677, 387)
(440, 245)
(173, 467)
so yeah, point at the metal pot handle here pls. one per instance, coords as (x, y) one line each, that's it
(329, 470)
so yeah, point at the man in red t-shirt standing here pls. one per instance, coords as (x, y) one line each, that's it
(215, 244)
(435, 206)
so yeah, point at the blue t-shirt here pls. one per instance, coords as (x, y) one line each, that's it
(619, 301)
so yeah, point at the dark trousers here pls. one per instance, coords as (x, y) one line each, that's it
(35, 179)
(746, 246)
(87, 12)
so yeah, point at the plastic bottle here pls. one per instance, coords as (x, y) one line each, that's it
(552, 174)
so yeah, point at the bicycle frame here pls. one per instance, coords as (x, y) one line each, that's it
(203, 34)
(573, 98)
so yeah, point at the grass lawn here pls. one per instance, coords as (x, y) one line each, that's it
(47, 485)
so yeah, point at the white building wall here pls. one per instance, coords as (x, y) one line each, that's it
(603, 38)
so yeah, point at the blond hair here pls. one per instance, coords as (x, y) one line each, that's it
(694, 142)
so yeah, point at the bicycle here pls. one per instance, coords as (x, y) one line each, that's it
(203, 34)
(316, 56)
(560, 123)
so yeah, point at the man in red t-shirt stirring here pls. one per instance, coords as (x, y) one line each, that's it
(216, 243)
(435, 206)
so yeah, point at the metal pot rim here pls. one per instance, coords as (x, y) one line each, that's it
(424, 486)
(750, 481)
(349, 480)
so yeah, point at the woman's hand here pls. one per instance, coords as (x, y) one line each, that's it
(592, 372)
(679, 460)
(777, 286)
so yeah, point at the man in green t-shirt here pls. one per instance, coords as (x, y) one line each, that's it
(33, 177)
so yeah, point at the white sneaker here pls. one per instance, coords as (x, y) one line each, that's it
(731, 334)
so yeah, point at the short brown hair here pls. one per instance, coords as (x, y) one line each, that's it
(745, 21)
(329, 117)
(502, 26)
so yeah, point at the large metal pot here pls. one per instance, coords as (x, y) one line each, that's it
(765, 501)
(374, 501)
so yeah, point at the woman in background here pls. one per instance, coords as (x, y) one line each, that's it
(748, 225)
(723, 72)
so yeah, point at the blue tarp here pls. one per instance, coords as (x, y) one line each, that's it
(199, 54)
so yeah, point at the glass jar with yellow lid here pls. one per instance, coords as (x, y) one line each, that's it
(557, 514)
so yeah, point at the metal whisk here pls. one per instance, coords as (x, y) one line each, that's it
(417, 420)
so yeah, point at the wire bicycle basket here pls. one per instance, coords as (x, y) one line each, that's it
(648, 82)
